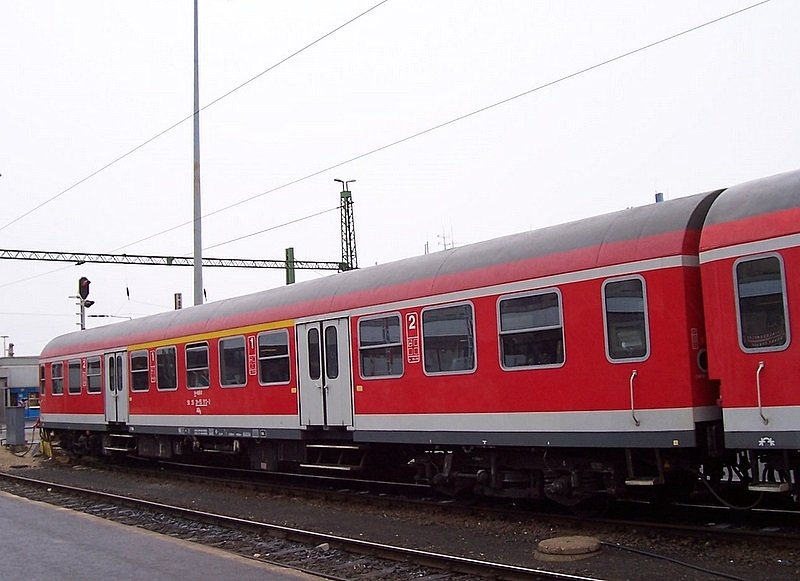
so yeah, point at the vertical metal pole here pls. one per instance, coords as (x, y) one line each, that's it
(83, 313)
(198, 240)
(290, 265)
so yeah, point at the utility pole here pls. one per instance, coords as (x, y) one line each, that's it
(349, 257)
(198, 239)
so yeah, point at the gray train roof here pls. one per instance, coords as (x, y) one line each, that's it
(594, 239)
(757, 197)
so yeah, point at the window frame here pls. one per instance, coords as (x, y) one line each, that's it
(474, 368)
(288, 356)
(146, 371)
(193, 347)
(646, 311)
(331, 351)
(175, 359)
(786, 320)
(220, 350)
(57, 378)
(400, 344)
(500, 333)
(89, 360)
(314, 368)
(71, 364)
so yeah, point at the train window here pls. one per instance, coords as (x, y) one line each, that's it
(58, 378)
(167, 368)
(313, 354)
(761, 302)
(448, 338)
(42, 378)
(531, 333)
(232, 364)
(140, 371)
(74, 376)
(380, 347)
(197, 365)
(112, 374)
(94, 375)
(625, 317)
(331, 353)
(273, 357)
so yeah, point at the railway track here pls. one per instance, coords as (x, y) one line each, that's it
(695, 520)
(313, 552)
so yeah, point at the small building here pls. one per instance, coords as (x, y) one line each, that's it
(19, 385)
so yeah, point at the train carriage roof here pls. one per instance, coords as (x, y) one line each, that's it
(756, 210)
(657, 230)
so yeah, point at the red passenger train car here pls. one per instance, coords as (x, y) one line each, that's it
(582, 360)
(750, 264)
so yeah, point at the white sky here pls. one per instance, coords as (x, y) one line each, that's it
(84, 82)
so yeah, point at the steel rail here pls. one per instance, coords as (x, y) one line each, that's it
(344, 488)
(450, 563)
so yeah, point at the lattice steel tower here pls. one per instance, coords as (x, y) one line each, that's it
(349, 257)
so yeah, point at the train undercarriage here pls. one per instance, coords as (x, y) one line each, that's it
(569, 477)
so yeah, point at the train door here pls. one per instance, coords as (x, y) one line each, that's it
(116, 391)
(326, 388)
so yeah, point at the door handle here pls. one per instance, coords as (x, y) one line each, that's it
(758, 391)
(633, 409)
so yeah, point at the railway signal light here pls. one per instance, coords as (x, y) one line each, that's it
(83, 292)
(83, 287)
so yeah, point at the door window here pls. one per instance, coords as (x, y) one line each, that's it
(626, 319)
(761, 302)
(313, 354)
(331, 353)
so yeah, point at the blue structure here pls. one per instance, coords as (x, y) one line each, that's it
(19, 378)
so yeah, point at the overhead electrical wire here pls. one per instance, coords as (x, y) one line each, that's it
(457, 119)
(176, 124)
(409, 137)
(289, 223)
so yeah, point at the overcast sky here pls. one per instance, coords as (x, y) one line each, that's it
(84, 82)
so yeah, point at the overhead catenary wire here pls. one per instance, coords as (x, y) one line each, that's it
(289, 223)
(191, 116)
(401, 140)
(459, 118)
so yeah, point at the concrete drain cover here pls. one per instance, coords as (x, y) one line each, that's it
(567, 549)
